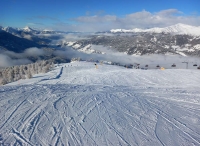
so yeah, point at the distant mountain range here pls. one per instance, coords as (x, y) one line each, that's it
(16, 44)
(17, 39)
(176, 39)
(18, 31)
(140, 43)
(174, 29)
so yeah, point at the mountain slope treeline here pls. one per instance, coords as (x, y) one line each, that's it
(15, 73)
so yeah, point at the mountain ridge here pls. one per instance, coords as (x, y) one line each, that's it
(173, 29)
(178, 28)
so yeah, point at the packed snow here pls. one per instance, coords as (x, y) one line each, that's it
(82, 104)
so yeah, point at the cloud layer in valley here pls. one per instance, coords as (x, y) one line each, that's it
(8, 58)
(112, 56)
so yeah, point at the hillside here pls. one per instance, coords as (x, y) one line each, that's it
(140, 44)
(179, 39)
(77, 104)
(14, 43)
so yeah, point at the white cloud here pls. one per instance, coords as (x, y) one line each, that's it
(6, 61)
(169, 12)
(96, 19)
(9, 58)
(29, 37)
(142, 19)
(34, 52)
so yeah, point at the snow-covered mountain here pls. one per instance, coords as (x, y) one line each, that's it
(11, 42)
(174, 29)
(77, 104)
(28, 29)
(10, 30)
(19, 32)
(177, 39)
(139, 44)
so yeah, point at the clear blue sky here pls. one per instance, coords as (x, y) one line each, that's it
(77, 14)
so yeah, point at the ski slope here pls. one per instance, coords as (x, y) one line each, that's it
(76, 104)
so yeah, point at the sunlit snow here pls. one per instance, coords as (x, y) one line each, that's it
(83, 104)
(174, 29)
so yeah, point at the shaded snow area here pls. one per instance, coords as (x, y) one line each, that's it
(77, 104)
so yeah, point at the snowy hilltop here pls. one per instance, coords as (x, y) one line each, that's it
(79, 103)
(174, 29)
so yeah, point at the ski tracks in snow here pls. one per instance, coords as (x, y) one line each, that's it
(69, 115)
(87, 106)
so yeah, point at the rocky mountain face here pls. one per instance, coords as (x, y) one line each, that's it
(143, 43)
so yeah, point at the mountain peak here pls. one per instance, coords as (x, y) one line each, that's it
(27, 28)
(9, 29)
(181, 24)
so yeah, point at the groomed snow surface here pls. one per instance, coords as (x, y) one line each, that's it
(77, 104)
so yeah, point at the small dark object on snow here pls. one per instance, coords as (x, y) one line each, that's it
(146, 65)
(137, 66)
(198, 67)
(195, 65)
(173, 65)
(158, 66)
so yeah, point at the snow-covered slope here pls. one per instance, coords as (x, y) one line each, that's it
(10, 30)
(174, 29)
(77, 104)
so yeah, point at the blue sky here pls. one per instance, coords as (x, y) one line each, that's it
(98, 15)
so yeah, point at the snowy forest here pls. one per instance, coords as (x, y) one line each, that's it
(14, 73)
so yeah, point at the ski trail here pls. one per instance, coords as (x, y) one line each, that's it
(106, 106)
(11, 115)
(19, 136)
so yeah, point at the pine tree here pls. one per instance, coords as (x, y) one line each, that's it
(1, 74)
(3, 81)
(29, 75)
(11, 75)
(46, 68)
(16, 73)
